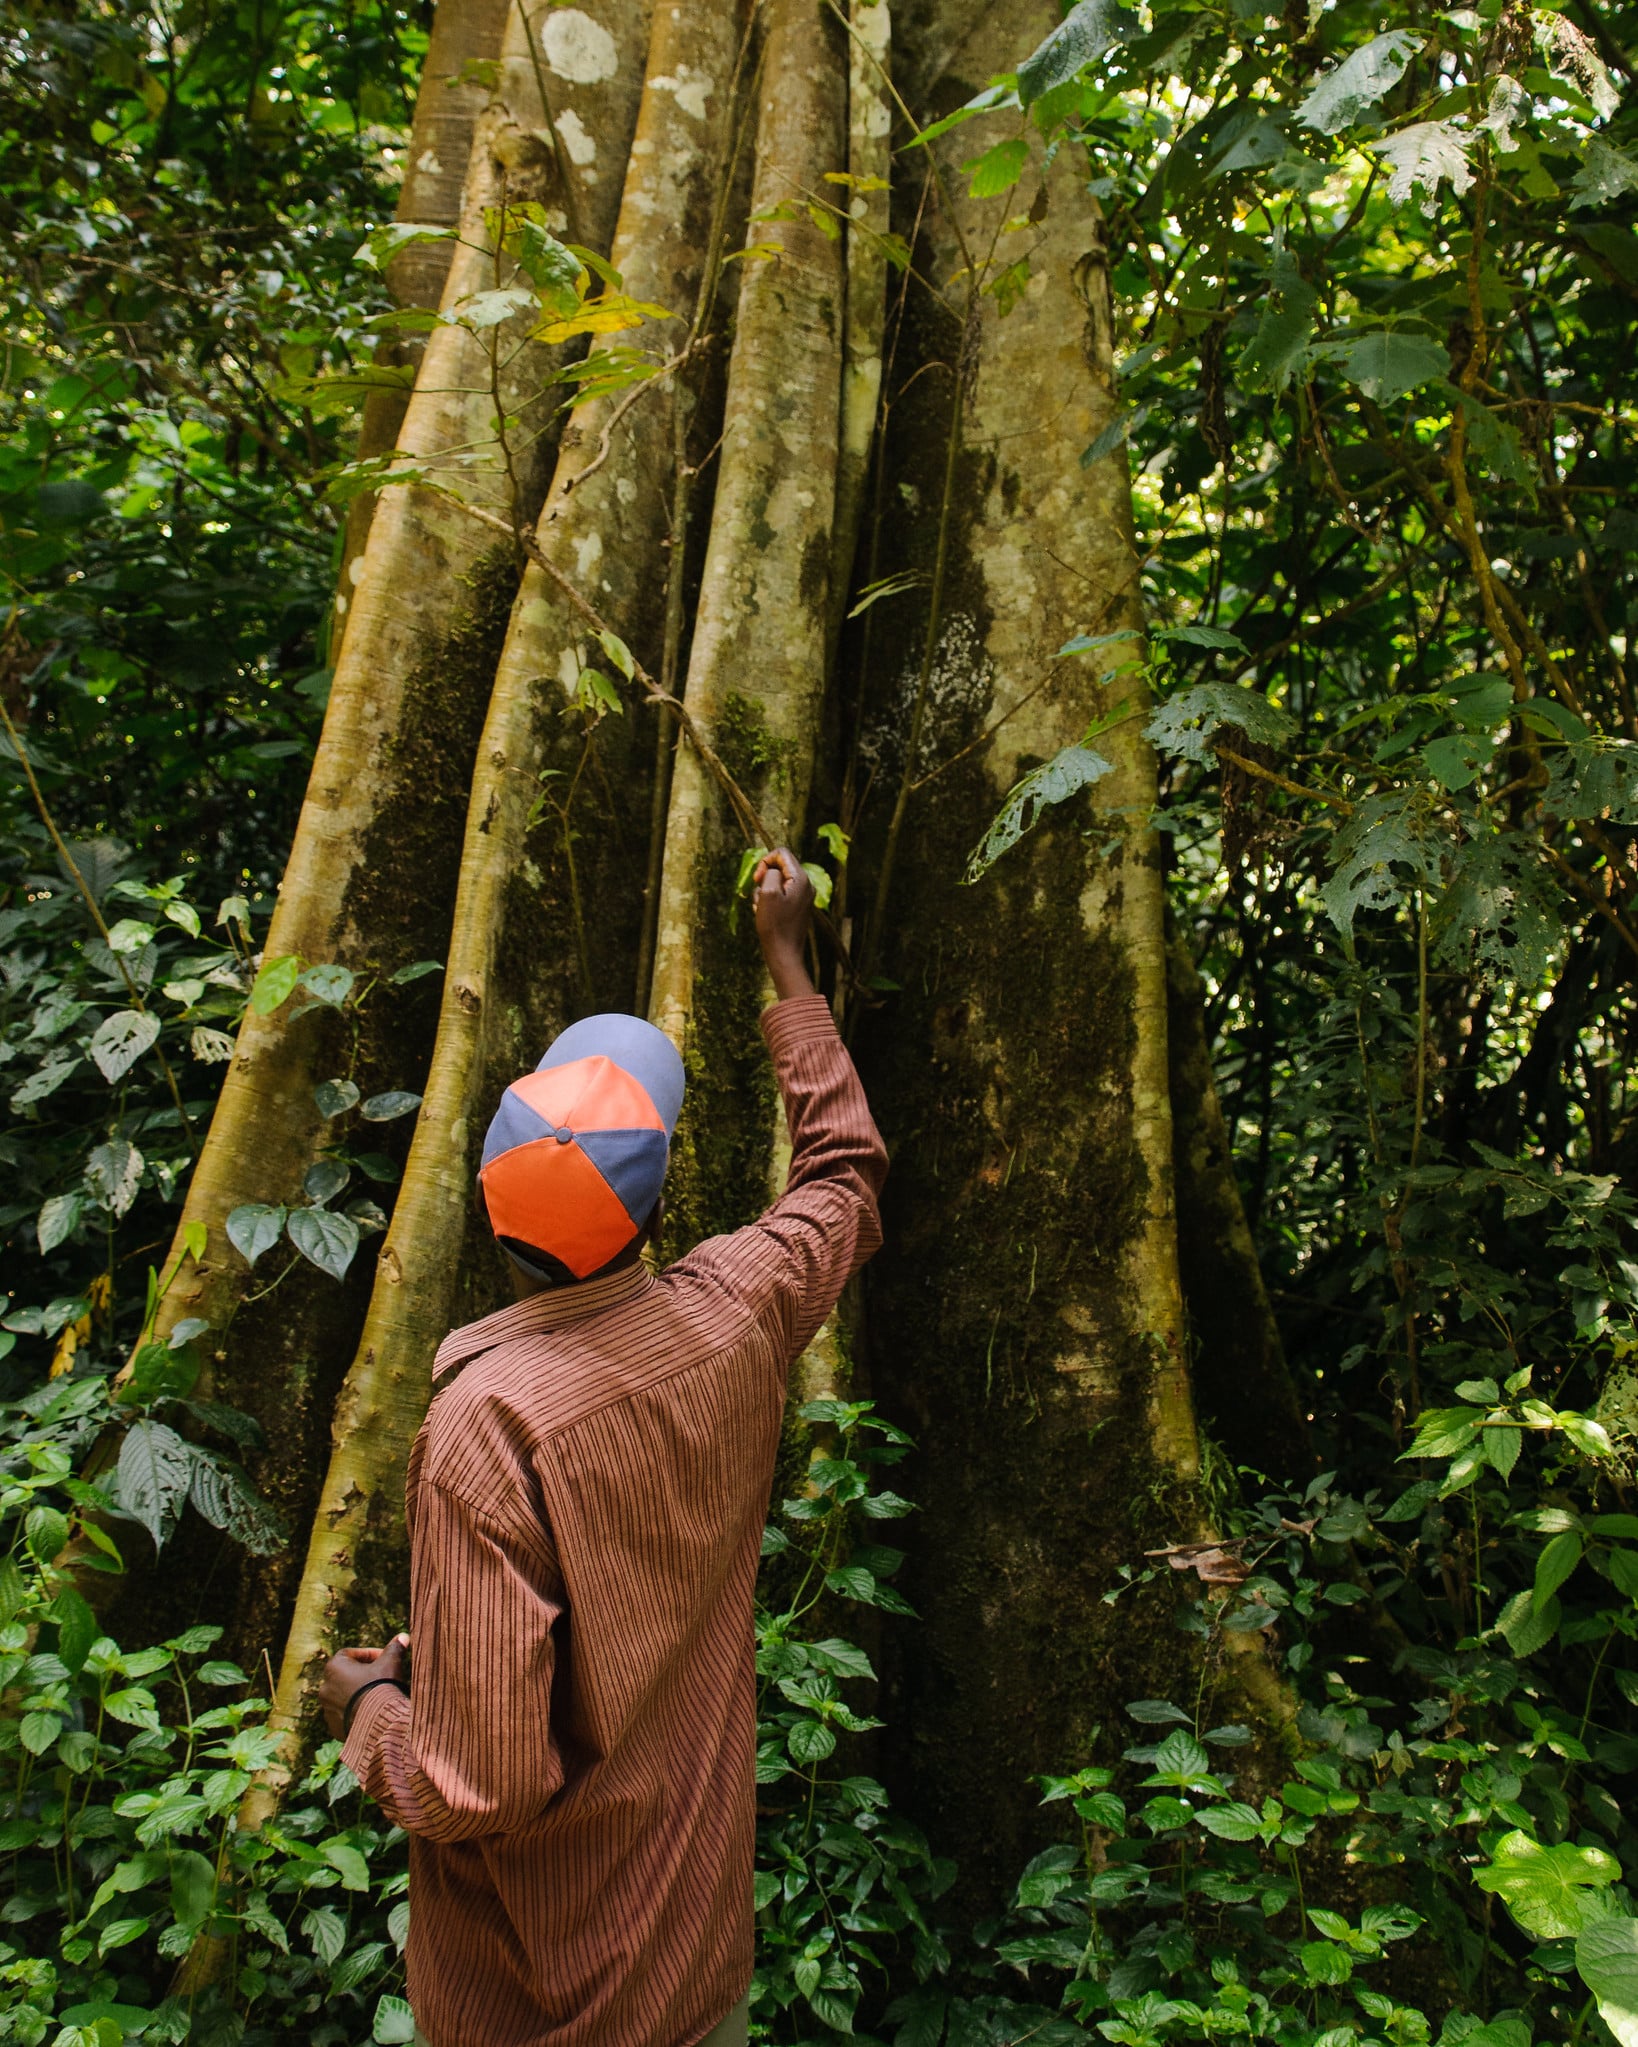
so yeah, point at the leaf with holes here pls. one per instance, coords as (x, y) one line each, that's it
(324, 1239)
(1085, 34)
(1072, 769)
(1183, 726)
(120, 1040)
(1363, 78)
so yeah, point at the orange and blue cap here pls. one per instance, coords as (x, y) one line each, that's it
(575, 1157)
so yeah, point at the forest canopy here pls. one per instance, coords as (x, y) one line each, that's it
(1183, 620)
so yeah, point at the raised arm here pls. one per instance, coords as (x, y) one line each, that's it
(794, 1262)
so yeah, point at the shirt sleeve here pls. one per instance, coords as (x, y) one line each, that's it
(793, 1263)
(470, 1751)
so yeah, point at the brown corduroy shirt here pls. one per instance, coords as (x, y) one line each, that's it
(575, 1761)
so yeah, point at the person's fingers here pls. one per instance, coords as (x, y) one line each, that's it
(362, 1655)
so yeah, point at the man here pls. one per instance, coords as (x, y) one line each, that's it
(574, 1759)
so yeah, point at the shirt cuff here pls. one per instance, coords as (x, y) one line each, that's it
(377, 1711)
(798, 1020)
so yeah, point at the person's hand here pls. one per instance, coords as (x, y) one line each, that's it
(349, 1670)
(782, 899)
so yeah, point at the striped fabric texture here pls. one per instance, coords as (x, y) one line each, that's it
(575, 1761)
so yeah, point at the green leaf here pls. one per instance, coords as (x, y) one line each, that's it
(193, 1886)
(58, 1219)
(254, 1228)
(45, 1531)
(415, 972)
(355, 1871)
(1606, 1959)
(335, 1097)
(998, 169)
(1285, 328)
(275, 983)
(1184, 725)
(394, 1103)
(329, 985)
(1443, 1432)
(1555, 1563)
(152, 1477)
(394, 2022)
(37, 1731)
(1086, 33)
(324, 1239)
(121, 1039)
(1363, 78)
(1072, 769)
(1546, 1889)
(809, 1741)
(1386, 365)
(1235, 1822)
(325, 1932)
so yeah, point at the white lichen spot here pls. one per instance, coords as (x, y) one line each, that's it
(355, 570)
(568, 670)
(692, 89)
(578, 48)
(588, 552)
(341, 605)
(625, 490)
(582, 148)
(960, 685)
(427, 163)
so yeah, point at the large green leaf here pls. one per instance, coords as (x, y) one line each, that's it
(1546, 1888)
(1385, 365)
(1070, 770)
(1359, 82)
(1086, 32)
(1606, 1957)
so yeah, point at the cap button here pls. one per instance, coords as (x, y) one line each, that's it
(565, 1136)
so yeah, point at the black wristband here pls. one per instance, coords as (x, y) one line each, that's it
(351, 1707)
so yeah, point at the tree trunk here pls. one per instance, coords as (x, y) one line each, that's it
(371, 877)
(466, 36)
(527, 954)
(1026, 1319)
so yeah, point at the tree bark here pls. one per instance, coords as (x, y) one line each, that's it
(1025, 1319)
(529, 950)
(756, 675)
(372, 873)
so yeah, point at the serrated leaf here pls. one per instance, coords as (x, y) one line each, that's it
(1184, 724)
(226, 1498)
(1085, 34)
(1425, 156)
(1363, 78)
(1072, 769)
(998, 169)
(325, 1931)
(323, 1238)
(152, 1477)
(1386, 365)
(121, 1039)
(394, 2021)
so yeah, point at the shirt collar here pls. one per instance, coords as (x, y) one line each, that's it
(549, 1309)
